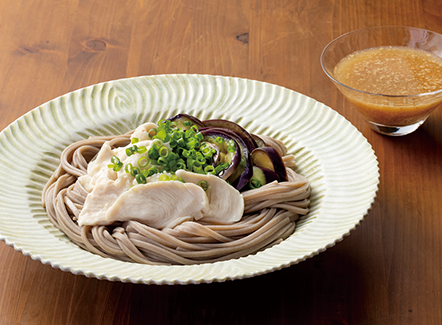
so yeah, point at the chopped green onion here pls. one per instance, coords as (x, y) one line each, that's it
(172, 165)
(181, 164)
(141, 179)
(209, 160)
(162, 161)
(152, 132)
(192, 143)
(135, 171)
(153, 152)
(198, 170)
(163, 152)
(189, 133)
(204, 185)
(130, 151)
(115, 160)
(206, 151)
(141, 149)
(157, 145)
(201, 159)
(116, 164)
(254, 183)
(173, 143)
(143, 162)
(162, 135)
(175, 147)
(152, 171)
(174, 178)
(221, 167)
(163, 177)
(172, 156)
(117, 167)
(186, 153)
(181, 143)
(190, 163)
(128, 168)
(196, 163)
(176, 135)
(199, 136)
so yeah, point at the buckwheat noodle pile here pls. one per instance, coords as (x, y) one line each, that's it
(269, 216)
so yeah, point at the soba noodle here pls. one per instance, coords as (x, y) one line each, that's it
(269, 217)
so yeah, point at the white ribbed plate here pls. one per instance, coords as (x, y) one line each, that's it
(330, 152)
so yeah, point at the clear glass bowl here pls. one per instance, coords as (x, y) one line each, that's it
(393, 115)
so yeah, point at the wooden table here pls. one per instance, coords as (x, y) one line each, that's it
(388, 271)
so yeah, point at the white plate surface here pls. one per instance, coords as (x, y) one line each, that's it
(330, 152)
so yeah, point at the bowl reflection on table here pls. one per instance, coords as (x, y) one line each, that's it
(388, 114)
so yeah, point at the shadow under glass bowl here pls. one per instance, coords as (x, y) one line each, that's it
(393, 115)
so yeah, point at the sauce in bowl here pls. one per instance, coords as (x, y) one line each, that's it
(396, 72)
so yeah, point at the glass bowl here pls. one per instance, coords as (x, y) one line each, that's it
(393, 115)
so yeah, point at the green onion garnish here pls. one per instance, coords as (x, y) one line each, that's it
(163, 177)
(163, 152)
(204, 185)
(116, 164)
(221, 167)
(141, 149)
(128, 168)
(135, 171)
(117, 167)
(198, 170)
(254, 183)
(232, 146)
(152, 171)
(174, 148)
(152, 133)
(115, 160)
(140, 178)
(143, 162)
(162, 161)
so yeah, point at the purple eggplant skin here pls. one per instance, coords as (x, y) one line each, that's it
(270, 175)
(242, 151)
(181, 118)
(269, 158)
(232, 126)
(247, 174)
(234, 164)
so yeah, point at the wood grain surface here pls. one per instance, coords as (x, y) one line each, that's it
(388, 271)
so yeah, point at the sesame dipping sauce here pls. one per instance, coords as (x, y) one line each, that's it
(391, 71)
